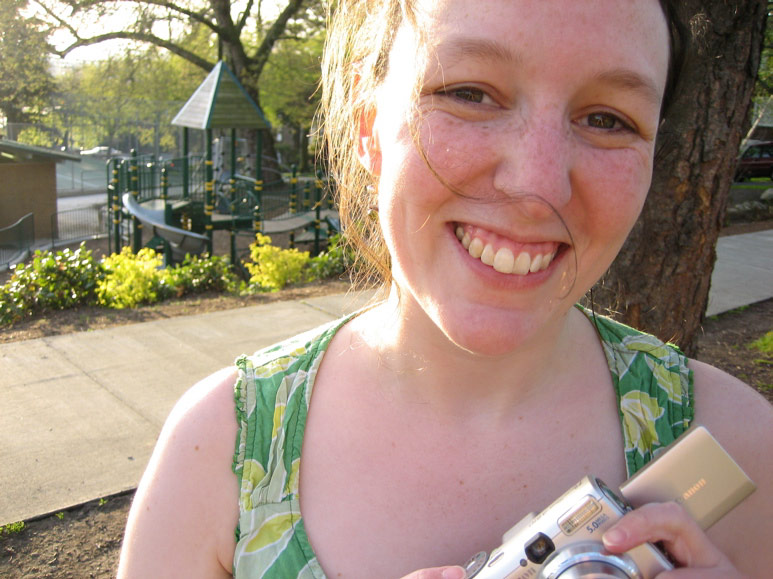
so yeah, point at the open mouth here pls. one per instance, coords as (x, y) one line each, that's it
(505, 255)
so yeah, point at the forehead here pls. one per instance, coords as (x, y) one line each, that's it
(610, 33)
(542, 15)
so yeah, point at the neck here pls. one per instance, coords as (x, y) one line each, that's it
(418, 362)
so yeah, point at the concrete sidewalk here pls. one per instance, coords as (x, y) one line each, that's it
(743, 272)
(81, 412)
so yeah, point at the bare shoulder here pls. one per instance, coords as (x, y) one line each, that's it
(730, 405)
(742, 420)
(205, 402)
(184, 512)
(737, 415)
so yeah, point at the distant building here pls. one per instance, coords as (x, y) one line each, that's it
(28, 184)
(762, 122)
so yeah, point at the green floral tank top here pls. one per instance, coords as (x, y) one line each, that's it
(651, 379)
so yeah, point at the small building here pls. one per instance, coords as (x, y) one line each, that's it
(762, 122)
(28, 184)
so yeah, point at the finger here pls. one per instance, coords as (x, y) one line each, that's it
(438, 573)
(670, 524)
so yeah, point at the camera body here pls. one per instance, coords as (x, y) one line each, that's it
(564, 540)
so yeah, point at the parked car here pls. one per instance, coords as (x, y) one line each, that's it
(103, 152)
(755, 161)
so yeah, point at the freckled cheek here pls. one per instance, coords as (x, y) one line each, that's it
(457, 151)
(449, 165)
(613, 184)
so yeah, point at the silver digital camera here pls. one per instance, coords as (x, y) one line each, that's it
(564, 540)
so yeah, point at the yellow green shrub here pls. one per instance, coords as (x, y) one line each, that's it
(130, 279)
(272, 268)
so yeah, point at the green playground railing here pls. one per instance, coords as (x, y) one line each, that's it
(16, 240)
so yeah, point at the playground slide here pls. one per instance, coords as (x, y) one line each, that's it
(293, 221)
(180, 240)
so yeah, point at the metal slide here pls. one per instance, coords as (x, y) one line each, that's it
(180, 240)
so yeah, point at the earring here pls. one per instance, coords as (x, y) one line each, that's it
(373, 208)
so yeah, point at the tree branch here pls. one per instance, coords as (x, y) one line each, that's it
(140, 37)
(230, 35)
(58, 19)
(200, 16)
(274, 33)
(243, 18)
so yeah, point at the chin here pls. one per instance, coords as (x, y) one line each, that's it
(492, 333)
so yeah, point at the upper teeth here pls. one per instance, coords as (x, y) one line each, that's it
(503, 260)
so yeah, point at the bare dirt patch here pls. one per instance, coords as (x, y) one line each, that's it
(80, 542)
(85, 541)
(726, 344)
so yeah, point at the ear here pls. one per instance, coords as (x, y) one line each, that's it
(368, 147)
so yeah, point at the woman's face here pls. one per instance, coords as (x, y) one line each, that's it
(529, 110)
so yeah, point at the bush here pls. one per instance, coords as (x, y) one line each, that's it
(272, 268)
(333, 262)
(69, 278)
(131, 280)
(51, 281)
(200, 274)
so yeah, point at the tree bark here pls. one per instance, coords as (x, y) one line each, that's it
(248, 68)
(660, 280)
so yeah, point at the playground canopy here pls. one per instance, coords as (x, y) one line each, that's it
(220, 102)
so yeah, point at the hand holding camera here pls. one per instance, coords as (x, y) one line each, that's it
(565, 540)
(674, 530)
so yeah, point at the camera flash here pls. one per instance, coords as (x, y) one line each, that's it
(576, 518)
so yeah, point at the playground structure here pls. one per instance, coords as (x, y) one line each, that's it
(183, 201)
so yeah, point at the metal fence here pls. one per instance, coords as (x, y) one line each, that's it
(16, 240)
(80, 224)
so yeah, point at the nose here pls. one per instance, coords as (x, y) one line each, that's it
(534, 165)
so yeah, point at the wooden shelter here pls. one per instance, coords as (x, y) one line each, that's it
(28, 184)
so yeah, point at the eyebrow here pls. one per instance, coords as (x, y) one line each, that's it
(477, 48)
(629, 80)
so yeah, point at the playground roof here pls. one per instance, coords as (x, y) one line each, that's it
(220, 102)
(13, 152)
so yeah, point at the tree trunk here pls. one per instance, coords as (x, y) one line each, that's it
(660, 281)
(249, 76)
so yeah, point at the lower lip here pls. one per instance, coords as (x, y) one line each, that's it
(507, 280)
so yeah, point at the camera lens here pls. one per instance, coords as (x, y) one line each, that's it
(538, 548)
(588, 559)
(594, 570)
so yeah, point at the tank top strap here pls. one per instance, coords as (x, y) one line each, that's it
(272, 394)
(654, 388)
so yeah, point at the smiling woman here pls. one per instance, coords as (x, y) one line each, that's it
(516, 126)
(505, 149)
